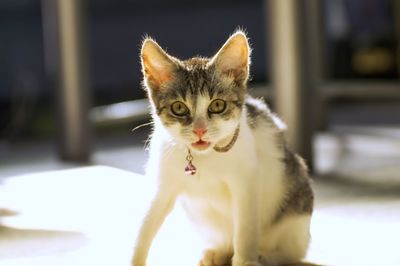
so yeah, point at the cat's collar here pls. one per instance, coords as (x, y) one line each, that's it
(228, 146)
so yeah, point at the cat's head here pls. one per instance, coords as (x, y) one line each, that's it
(199, 101)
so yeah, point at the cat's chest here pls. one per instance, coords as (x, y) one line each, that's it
(204, 195)
(214, 175)
(210, 182)
(212, 189)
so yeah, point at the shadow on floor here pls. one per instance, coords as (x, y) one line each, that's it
(18, 243)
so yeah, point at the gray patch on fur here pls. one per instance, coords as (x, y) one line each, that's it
(257, 111)
(300, 197)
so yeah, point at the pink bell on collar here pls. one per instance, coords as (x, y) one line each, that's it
(190, 169)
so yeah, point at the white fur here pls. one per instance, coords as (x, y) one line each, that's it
(232, 198)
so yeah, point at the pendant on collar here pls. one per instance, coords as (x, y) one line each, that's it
(190, 169)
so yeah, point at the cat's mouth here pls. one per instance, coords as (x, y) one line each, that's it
(201, 144)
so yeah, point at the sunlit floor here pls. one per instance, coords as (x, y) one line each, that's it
(90, 215)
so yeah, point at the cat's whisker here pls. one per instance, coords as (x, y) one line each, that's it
(142, 125)
(147, 142)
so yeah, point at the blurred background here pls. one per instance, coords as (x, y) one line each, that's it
(349, 73)
(70, 95)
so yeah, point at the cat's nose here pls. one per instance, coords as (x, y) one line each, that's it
(200, 131)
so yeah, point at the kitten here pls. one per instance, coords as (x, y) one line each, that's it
(222, 154)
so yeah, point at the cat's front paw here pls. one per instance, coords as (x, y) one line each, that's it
(214, 257)
(242, 262)
(137, 262)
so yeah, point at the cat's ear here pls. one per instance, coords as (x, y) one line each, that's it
(157, 66)
(233, 60)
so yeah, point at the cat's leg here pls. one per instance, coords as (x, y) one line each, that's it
(287, 242)
(245, 221)
(161, 205)
(216, 231)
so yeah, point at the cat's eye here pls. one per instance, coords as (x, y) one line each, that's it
(217, 106)
(179, 109)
